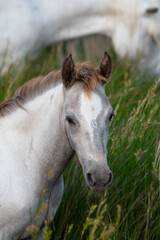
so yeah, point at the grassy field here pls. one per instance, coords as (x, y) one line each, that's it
(130, 207)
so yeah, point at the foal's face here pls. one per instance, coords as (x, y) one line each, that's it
(87, 123)
(87, 118)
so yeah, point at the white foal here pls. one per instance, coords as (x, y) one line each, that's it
(47, 121)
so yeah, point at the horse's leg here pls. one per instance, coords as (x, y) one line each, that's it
(55, 198)
(54, 202)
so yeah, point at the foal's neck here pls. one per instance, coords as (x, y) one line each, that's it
(41, 130)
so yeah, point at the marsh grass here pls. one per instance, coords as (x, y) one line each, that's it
(130, 207)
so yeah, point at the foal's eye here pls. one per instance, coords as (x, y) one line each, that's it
(70, 121)
(110, 117)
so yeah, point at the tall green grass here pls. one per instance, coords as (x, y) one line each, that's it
(130, 207)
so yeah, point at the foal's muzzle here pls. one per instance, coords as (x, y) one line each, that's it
(98, 179)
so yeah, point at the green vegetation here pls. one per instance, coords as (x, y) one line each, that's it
(130, 207)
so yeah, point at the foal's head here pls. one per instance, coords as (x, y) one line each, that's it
(88, 113)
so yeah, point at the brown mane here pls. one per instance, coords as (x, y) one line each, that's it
(36, 86)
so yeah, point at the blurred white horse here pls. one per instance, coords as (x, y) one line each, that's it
(133, 25)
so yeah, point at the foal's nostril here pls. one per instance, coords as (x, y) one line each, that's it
(109, 179)
(90, 179)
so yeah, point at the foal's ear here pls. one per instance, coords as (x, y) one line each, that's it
(68, 71)
(105, 66)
